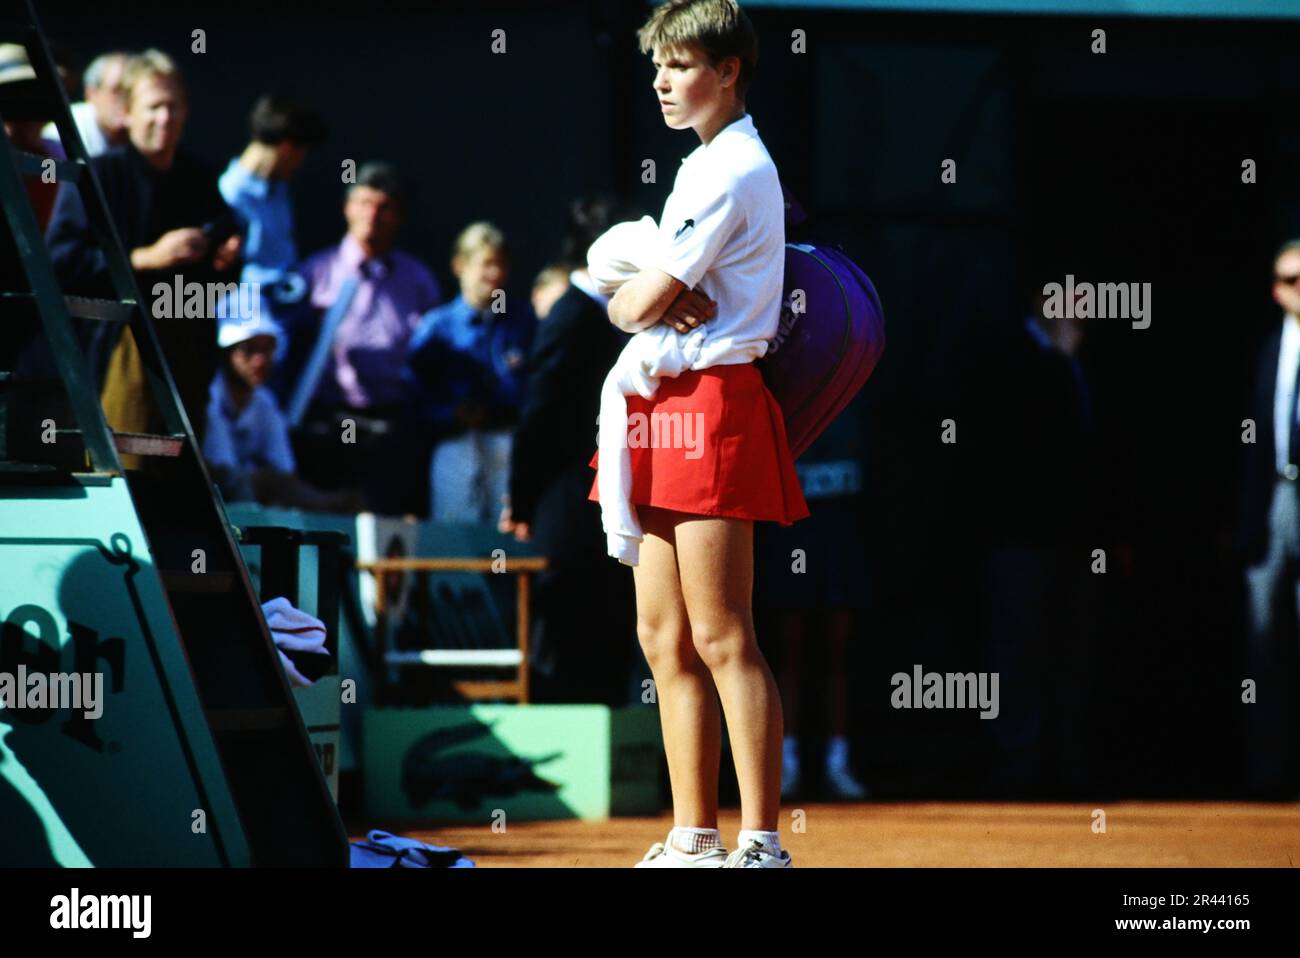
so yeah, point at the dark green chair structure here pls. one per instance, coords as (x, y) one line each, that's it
(200, 755)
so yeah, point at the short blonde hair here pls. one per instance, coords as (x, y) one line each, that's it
(477, 236)
(552, 273)
(151, 63)
(718, 27)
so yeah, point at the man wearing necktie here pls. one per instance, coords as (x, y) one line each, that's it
(340, 384)
(1268, 542)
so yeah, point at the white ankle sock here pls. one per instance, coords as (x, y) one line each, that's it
(692, 841)
(771, 840)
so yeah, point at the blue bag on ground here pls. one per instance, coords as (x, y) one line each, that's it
(382, 850)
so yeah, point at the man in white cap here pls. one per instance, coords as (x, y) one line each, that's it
(23, 123)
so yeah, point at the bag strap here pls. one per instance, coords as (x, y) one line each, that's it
(320, 352)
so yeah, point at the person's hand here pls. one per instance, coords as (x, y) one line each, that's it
(227, 253)
(172, 248)
(507, 526)
(688, 310)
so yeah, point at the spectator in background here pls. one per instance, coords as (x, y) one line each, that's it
(1028, 445)
(247, 443)
(24, 127)
(101, 117)
(1268, 544)
(549, 285)
(823, 597)
(584, 608)
(35, 394)
(172, 220)
(256, 185)
(347, 350)
(467, 371)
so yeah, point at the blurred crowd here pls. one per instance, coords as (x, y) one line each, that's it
(342, 380)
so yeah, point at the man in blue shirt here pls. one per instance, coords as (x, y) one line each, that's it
(256, 186)
(466, 375)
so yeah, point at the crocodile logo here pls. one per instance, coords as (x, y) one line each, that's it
(467, 778)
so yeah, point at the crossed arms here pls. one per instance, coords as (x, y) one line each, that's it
(652, 296)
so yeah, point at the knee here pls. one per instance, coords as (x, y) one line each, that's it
(722, 642)
(665, 642)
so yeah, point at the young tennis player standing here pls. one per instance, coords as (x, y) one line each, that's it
(716, 279)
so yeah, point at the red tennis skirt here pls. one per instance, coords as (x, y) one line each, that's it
(712, 443)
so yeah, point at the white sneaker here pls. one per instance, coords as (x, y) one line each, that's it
(840, 783)
(757, 856)
(664, 855)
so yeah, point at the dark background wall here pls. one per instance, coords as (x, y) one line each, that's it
(1131, 158)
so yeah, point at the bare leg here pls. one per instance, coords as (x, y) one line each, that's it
(688, 702)
(716, 558)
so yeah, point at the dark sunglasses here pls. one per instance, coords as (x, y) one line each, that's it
(1288, 280)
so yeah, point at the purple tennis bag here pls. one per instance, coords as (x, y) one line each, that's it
(829, 339)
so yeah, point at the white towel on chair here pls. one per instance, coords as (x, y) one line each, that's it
(292, 628)
(617, 256)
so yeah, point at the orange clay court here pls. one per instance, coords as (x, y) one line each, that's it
(1138, 834)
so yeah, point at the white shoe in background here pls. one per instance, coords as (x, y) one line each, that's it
(791, 780)
(840, 783)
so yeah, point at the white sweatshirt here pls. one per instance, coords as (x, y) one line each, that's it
(722, 232)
